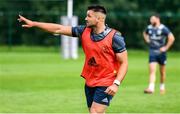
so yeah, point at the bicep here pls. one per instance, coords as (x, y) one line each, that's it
(122, 57)
(65, 30)
(145, 35)
(171, 37)
(145, 32)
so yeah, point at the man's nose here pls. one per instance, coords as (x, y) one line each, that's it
(86, 19)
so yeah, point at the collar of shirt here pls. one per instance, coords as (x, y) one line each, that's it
(100, 36)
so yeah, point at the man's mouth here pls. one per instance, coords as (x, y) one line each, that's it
(154, 24)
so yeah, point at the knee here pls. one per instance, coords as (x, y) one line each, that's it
(94, 110)
(163, 73)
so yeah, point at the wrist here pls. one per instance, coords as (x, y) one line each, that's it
(34, 23)
(117, 82)
(163, 49)
(166, 48)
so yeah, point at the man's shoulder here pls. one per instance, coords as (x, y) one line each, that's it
(117, 35)
(162, 26)
(78, 30)
(149, 27)
(117, 32)
(118, 43)
(81, 26)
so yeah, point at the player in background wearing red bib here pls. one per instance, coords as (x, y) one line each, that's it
(106, 60)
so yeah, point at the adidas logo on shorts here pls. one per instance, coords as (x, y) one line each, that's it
(105, 100)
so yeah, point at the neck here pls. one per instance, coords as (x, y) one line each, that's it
(158, 24)
(99, 28)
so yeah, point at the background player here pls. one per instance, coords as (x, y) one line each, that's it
(155, 36)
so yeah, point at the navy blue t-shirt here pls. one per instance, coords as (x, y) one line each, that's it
(157, 36)
(118, 43)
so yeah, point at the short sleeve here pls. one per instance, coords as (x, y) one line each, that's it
(166, 31)
(78, 30)
(146, 30)
(118, 43)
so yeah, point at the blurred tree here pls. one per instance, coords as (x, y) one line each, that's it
(40, 10)
(128, 16)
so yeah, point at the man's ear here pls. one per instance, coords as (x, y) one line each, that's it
(97, 18)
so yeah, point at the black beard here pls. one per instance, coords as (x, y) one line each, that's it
(153, 24)
(91, 26)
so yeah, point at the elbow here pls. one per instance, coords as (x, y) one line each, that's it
(173, 39)
(57, 31)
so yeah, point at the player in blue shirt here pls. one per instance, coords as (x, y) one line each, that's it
(156, 35)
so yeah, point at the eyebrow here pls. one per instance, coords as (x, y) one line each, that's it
(89, 15)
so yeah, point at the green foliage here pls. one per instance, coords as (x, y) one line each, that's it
(128, 16)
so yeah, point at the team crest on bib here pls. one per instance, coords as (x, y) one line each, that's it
(105, 49)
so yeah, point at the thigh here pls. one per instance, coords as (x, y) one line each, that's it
(101, 97)
(98, 108)
(101, 100)
(152, 67)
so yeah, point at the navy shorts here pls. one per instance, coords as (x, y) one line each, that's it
(97, 94)
(160, 58)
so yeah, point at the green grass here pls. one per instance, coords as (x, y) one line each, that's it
(42, 81)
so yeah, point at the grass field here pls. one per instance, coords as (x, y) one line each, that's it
(41, 81)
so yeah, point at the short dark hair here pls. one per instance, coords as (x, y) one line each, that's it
(156, 15)
(97, 8)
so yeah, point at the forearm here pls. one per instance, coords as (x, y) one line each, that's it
(122, 71)
(123, 60)
(146, 37)
(49, 27)
(168, 45)
(170, 41)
